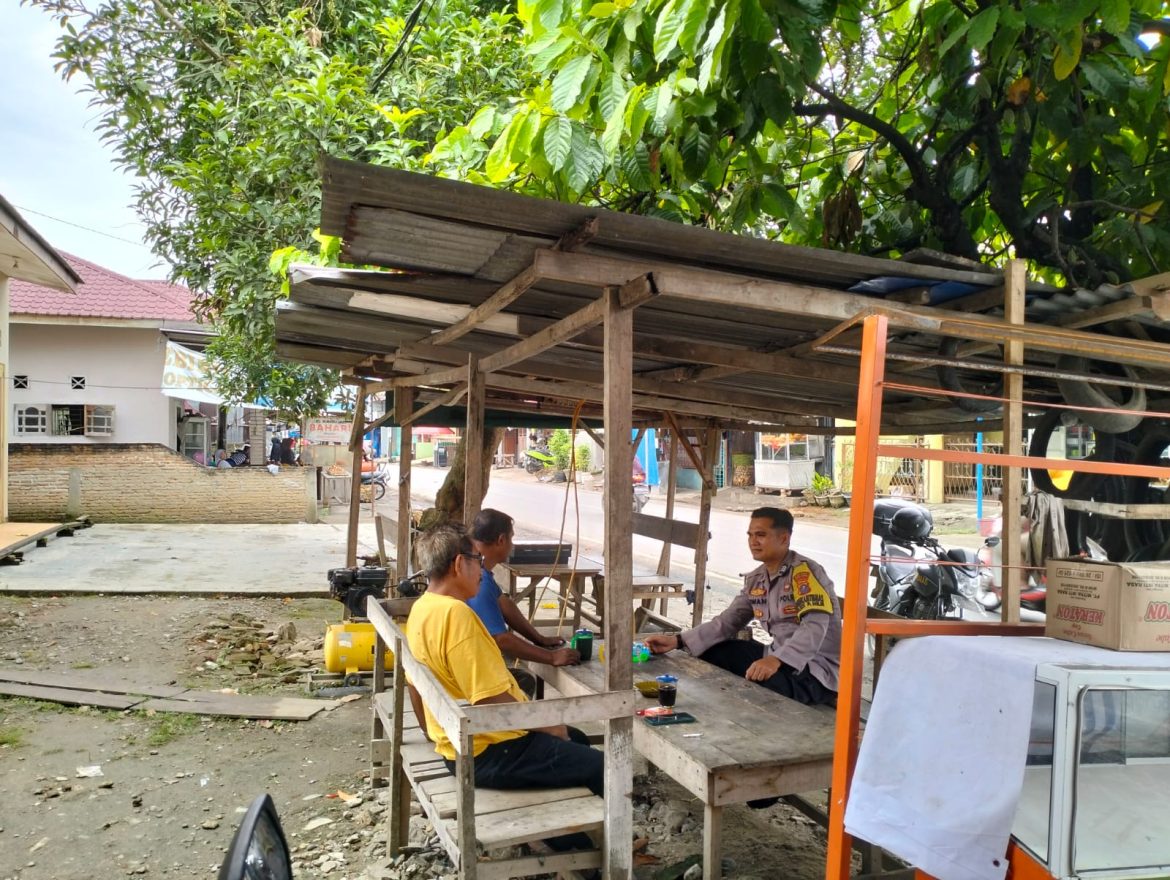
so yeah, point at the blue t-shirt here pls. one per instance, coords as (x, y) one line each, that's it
(487, 604)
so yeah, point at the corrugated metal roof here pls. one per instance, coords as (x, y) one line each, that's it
(733, 334)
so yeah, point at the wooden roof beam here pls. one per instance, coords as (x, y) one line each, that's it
(735, 291)
(511, 290)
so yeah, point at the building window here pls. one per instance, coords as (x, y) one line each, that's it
(32, 419)
(77, 383)
(20, 383)
(99, 421)
(65, 420)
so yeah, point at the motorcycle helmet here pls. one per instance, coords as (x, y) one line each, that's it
(911, 524)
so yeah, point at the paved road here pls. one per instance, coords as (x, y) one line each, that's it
(537, 508)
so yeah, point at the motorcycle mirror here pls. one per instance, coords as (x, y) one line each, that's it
(993, 541)
(258, 850)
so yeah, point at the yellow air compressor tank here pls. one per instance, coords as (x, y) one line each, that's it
(349, 648)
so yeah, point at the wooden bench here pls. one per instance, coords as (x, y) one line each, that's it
(474, 825)
(661, 586)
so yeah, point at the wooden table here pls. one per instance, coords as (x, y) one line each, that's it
(570, 578)
(754, 744)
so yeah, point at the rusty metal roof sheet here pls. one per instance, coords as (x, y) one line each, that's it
(736, 332)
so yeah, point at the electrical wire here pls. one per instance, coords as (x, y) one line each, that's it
(86, 228)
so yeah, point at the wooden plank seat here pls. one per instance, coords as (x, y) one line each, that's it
(474, 825)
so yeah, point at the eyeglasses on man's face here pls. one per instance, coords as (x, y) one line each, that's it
(478, 557)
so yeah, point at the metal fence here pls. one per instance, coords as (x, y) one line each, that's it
(959, 479)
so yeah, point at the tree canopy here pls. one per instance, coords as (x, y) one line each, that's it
(973, 127)
(223, 107)
(967, 126)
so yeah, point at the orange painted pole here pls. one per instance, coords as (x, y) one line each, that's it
(854, 604)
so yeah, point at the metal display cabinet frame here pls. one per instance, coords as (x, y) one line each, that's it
(1072, 686)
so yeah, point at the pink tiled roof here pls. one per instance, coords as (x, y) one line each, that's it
(104, 294)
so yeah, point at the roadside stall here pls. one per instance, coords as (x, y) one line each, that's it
(494, 301)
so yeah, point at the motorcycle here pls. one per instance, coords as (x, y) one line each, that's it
(536, 460)
(916, 577)
(378, 480)
(258, 850)
(1033, 596)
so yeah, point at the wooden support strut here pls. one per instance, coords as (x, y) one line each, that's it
(355, 480)
(1015, 280)
(473, 451)
(619, 563)
(403, 407)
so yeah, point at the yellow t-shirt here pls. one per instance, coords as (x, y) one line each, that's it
(447, 637)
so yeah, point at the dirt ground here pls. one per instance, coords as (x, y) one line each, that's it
(173, 787)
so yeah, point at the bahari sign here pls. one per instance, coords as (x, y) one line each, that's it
(327, 431)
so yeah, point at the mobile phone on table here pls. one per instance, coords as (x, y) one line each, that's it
(676, 718)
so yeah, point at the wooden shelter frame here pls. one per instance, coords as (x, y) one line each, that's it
(460, 329)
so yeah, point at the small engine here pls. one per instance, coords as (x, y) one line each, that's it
(353, 586)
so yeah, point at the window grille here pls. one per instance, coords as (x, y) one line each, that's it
(32, 419)
(20, 383)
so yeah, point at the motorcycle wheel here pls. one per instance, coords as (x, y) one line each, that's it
(379, 491)
(533, 467)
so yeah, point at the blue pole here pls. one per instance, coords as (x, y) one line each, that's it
(979, 478)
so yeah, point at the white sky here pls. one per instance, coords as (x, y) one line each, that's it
(51, 160)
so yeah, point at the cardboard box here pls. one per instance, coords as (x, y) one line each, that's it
(1118, 605)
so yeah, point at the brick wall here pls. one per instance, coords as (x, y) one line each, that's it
(144, 482)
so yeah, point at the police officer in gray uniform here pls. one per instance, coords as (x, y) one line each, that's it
(793, 600)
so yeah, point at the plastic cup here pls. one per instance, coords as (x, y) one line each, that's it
(582, 642)
(667, 690)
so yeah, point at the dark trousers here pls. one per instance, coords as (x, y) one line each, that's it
(541, 760)
(736, 655)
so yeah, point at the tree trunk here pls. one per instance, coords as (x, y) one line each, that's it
(449, 499)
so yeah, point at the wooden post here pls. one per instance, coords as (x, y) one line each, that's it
(465, 773)
(710, 456)
(355, 479)
(664, 557)
(619, 587)
(671, 486)
(403, 407)
(399, 831)
(473, 442)
(869, 418)
(1014, 281)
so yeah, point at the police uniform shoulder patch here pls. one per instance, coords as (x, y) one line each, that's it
(809, 593)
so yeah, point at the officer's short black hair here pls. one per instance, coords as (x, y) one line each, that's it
(781, 519)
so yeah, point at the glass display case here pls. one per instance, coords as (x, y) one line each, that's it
(1096, 796)
(787, 461)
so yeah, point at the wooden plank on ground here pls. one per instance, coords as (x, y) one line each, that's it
(492, 800)
(241, 706)
(87, 682)
(69, 697)
(524, 824)
(13, 536)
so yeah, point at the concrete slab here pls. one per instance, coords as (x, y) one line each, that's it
(254, 560)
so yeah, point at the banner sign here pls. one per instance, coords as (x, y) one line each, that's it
(327, 431)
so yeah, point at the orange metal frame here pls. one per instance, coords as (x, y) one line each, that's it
(855, 605)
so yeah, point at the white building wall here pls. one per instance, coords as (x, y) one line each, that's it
(122, 367)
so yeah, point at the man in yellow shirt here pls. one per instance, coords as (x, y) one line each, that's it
(447, 637)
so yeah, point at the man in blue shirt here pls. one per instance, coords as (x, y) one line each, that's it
(491, 533)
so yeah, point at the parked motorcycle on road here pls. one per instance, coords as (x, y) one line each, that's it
(916, 577)
(378, 480)
(536, 460)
